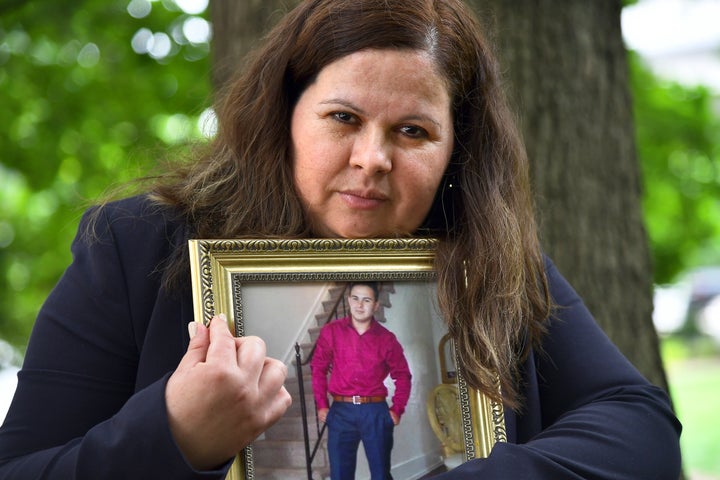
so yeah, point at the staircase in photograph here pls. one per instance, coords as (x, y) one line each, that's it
(280, 454)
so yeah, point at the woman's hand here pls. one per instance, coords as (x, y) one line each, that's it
(224, 393)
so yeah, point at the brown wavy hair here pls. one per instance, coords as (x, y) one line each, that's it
(492, 288)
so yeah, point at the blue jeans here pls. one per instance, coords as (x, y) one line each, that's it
(350, 424)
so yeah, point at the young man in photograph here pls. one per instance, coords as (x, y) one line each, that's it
(358, 354)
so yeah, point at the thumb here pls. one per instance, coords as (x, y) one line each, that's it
(198, 347)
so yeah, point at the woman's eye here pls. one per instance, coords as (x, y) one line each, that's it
(413, 131)
(344, 117)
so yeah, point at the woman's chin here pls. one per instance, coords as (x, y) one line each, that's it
(361, 232)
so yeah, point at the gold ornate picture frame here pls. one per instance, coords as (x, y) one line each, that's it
(283, 290)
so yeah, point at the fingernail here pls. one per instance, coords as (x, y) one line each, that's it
(223, 317)
(192, 329)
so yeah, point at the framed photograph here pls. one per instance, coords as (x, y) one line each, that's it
(286, 291)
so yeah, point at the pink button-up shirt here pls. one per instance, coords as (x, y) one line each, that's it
(358, 364)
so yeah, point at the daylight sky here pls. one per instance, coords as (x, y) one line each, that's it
(679, 38)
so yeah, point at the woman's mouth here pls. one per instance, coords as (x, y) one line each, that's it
(363, 199)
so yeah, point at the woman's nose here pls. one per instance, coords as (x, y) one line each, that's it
(372, 153)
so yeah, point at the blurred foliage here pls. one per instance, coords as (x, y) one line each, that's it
(678, 140)
(81, 110)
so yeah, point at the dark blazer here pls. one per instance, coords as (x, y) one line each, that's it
(90, 396)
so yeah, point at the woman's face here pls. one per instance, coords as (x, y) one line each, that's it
(371, 137)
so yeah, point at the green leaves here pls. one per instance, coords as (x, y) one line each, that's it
(678, 140)
(82, 111)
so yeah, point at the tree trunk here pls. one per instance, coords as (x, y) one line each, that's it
(568, 76)
(237, 26)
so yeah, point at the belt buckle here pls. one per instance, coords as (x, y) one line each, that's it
(356, 400)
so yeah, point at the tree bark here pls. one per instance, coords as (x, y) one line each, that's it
(238, 25)
(568, 77)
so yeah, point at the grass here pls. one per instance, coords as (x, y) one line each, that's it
(694, 375)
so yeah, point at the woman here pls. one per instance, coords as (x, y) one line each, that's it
(356, 118)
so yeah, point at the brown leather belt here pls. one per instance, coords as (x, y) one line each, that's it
(357, 399)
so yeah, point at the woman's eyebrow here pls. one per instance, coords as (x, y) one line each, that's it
(344, 103)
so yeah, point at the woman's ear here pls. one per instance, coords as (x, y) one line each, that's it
(441, 219)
